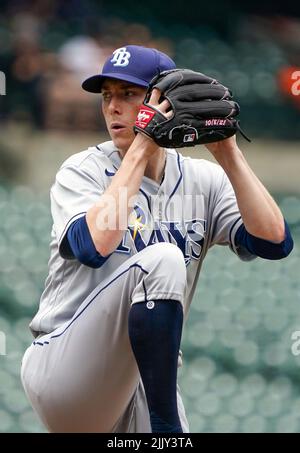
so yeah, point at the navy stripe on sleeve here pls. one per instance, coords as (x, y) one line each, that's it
(262, 247)
(82, 245)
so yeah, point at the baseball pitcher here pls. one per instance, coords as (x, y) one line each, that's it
(132, 223)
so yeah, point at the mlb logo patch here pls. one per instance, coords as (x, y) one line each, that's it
(189, 138)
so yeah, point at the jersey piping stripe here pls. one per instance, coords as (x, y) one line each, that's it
(145, 291)
(230, 233)
(80, 214)
(108, 156)
(146, 196)
(177, 184)
(102, 289)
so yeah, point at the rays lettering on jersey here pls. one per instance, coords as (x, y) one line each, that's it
(188, 236)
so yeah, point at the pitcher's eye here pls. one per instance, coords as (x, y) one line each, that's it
(129, 93)
(106, 96)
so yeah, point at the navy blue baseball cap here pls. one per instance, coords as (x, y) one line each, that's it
(134, 64)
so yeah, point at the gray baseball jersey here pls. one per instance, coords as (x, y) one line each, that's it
(80, 374)
(194, 208)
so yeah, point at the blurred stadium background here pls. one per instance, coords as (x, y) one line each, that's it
(239, 373)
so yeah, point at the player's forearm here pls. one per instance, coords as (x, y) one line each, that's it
(261, 215)
(108, 218)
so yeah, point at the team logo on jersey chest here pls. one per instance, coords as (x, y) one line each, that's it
(137, 221)
(145, 231)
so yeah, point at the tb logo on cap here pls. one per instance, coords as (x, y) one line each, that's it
(121, 57)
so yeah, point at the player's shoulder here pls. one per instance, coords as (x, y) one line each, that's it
(200, 174)
(200, 167)
(93, 155)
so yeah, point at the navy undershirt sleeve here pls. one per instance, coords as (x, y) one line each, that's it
(82, 245)
(262, 247)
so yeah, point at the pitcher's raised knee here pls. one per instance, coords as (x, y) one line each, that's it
(166, 274)
(169, 254)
